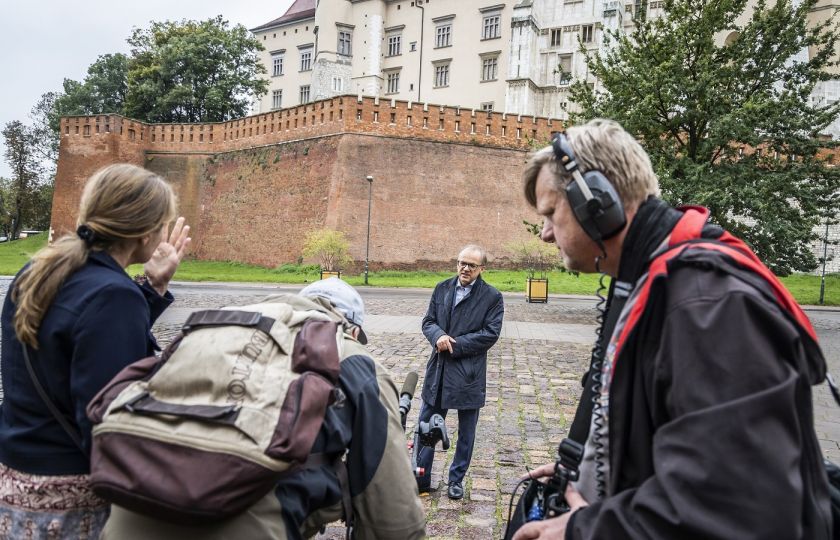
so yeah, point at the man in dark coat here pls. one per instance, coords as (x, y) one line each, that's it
(702, 424)
(463, 321)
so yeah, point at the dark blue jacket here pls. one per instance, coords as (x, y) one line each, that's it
(475, 323)
(99, 322)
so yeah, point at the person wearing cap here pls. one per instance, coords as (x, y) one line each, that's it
(463, 321)
(378, 478)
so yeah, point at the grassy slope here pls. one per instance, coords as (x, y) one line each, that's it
(13, 255)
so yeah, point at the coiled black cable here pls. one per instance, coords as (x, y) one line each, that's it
(596, 372)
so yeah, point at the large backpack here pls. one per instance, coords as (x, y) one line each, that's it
(234, 402)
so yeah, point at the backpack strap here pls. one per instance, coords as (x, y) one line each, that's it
(71, 431)
(340, 468)
(227, 317)
(690, 226)
(732, 247)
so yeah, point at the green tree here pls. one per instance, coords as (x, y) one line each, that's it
(329, 247)
(535, 256)
(23, 195)
(45, 125)
(103, 90)
(193, 72)
(729, 125)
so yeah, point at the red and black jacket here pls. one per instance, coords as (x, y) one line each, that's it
(710, 423)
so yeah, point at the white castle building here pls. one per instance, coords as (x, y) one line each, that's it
(517, 57)
(513, 56)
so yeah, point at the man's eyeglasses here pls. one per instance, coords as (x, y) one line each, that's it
(468, 265)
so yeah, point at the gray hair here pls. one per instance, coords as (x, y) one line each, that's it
(605, 146)
(478, 249)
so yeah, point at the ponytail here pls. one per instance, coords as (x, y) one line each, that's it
(119, 204)
(36, 287)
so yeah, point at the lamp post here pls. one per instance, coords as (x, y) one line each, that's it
(825, 258)
(367, 248)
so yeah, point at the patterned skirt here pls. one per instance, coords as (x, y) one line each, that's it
(35, 507)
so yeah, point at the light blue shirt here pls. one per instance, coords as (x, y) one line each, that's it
(462, 292)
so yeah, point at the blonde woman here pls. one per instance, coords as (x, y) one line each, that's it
(72, 319)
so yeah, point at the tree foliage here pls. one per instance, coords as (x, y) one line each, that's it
(535, 256)
(188, 71)
(26, 198)
(102, 91)
(329, 247)
(193, 72)
(728, 123)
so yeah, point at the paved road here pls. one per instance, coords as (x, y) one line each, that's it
(533, 383)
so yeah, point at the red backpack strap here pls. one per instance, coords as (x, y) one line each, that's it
(688, 228)
(690, 225)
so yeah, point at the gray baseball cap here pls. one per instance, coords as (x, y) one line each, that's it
(343, 297)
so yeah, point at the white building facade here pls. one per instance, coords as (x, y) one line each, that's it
(519, 56)
(514, 56)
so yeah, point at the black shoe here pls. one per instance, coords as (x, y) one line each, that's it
(456, 491)
(426, 489)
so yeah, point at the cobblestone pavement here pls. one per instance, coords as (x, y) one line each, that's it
(532, 387)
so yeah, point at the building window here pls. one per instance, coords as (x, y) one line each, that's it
(441, 75)
(337, 84)
(393, 82)
(488, 106)
(489, 68)
(304, 93)
(413, 45)
(277, 99)
(640, 10)
(306, 59)
(344, 39)
(443, 35)
(586, 33)
(276, 64)
(555, 37)
(491, 27)
(395, 45)
(565, 68)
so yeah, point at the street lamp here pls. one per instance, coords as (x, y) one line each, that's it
(367, 248)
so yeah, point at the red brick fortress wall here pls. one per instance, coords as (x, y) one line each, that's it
(253, 187)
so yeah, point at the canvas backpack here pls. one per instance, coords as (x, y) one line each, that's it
(233, 403)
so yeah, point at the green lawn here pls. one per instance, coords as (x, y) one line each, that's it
(805, 288)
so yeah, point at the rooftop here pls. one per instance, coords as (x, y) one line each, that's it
(298, 11)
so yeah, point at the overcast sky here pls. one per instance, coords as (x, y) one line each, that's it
(42, 42)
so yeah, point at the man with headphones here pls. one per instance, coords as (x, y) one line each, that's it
(695, 420)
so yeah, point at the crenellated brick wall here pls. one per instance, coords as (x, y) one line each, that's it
(253, 187)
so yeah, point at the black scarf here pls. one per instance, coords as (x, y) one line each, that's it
(652, 224)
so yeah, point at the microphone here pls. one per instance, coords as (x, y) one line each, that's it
(406, 394)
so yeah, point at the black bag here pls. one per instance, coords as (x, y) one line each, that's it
(519, 515)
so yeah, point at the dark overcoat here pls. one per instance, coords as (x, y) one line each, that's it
(475, 323)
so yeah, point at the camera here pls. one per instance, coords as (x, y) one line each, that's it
(546, 500)
(432, 432)
(427, 434)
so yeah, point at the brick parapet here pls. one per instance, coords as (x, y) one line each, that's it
(341, 114)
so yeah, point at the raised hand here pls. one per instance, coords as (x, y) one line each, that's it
(167, 256)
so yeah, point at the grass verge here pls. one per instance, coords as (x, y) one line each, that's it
(13, 255)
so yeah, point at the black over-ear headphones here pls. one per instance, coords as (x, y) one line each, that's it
(591, 196)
